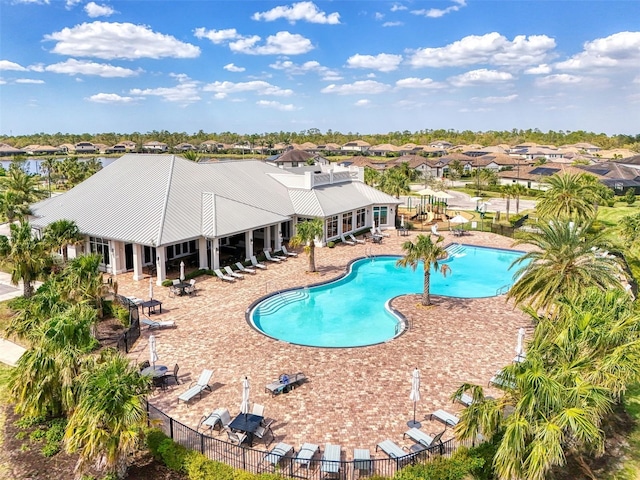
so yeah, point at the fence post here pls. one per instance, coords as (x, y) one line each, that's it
(171, 428)
(202, 443)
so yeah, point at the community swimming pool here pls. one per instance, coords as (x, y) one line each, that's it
(352, 311)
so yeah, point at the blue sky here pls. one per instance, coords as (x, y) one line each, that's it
(351, 66)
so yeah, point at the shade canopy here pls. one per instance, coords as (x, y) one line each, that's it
(426, 192)
(458, 219)
(475, 199)
(442, 195)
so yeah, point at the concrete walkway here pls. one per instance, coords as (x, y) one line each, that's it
(10, 353)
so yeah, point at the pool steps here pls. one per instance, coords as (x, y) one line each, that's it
(279, 300)
(456, 250)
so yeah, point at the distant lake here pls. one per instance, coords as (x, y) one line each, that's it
(34, 165)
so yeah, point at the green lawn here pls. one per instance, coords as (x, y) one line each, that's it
(631, 468)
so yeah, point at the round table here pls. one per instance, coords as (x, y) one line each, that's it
(155, 372)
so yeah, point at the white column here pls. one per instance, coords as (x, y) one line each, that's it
(161, 258)
(248, 244)
(202, 253)
(278, 237)
(137, 261)
(72, 251)
(215, 253)
(114, 256)
(267, 238)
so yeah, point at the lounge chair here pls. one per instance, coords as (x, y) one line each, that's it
(233, 274)
(222, 276)
(380, 232)
(277, 453)
(445, 417)
(346, 242)
(285, 383)
(268, 256)
(197, 389)
(255, 263)
(244, 269)
(400, 455)
(465, 399)
(306, 454)
(155, 324)
(288, 253)
(219, 419)
(422, 438)
(502, 381)
(354, 239)
(330, 464)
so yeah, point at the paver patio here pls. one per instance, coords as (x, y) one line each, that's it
(354, 397)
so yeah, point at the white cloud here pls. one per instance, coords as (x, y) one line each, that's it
(36, 67)
(396, 7)
(118, 40)
(480, 77)
(361, 87)
(437, 12)
(383, 62)
(615, 51)
(559, 79)
(110, 98)
(311, 66)
(3, 81)
(363, 103)
(276, 105)
(378, 16)
(230, 67)
(493, 100)
(94, 10)
(222, 89)
(75, 67)
(7, 65)
(542, 69)
(422, 83)
(637, 79)
(491, 48)
(30, 81)
(185, 93)
(282, 43)
(69, 4)
(392, 24)
(217, 36)
(33, 2)
(306, 11)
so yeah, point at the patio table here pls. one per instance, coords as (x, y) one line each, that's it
(246, 423)
(151, 305)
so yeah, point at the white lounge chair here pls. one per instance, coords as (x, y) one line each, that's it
(422, 438)
(380, 232)
(216, 420)
(233, 274)
(268, 256)
(288, 253)
(354, 239)
(306, 454)
(222, 276)
(445, 417)
(244, 269)
(501, 380)
(196, 389)
(330, 464)
(346, 242)
(277, 453)
(401, 456)
(255, 263)
(155, 324)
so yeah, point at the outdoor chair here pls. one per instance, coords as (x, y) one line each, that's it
(219, 420)
(422, 438)
(445, 417)
(288, 253)
(277, 453)
(400, 455)
(233, 274)
(285, 383)
(244, 269)
(143, 365)
(347, 242)
(157, 324)
(268, 256)
(236, 438)
(258, 410)
(330, 464)
(255, 263)
(196, 389)
(174, 290)
(173, 374)
(262, 431)
(222, 276)
(191, 289)
(380, 232)
(354, 239)
(306, 454)
(502, 380)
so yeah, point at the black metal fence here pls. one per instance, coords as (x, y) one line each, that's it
(255, 460)
(131, 334)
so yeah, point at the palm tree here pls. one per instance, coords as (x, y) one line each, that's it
(28, 255)
(506, 192)
(58, 235)
(106, 426)
(192, 155)
(306, 234)
(565, 262)
(428, 252)
(371, 176)
(394, 182)
(49, 164)
(23, 185)
(12, 207)
(570, 196)
(579, 362)
(82, 282)
(517, 190)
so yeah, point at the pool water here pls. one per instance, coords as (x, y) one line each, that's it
(352, 311)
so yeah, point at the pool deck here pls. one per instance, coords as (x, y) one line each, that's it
(354, 397)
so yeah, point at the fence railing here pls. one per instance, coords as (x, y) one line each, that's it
(254, 459)
(131, 334)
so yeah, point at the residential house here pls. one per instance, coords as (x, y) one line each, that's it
(85, 147)
(383, 150)
(184, 147)
(7, 150)
(295, 158)
(159, 210)
(154, 147)
(441, 144)
(631, 162)
(356, 146)
(42, 150)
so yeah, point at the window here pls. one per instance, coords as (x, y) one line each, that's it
(100, 246)
(380, 215)
(347, 222)
(332, 226)
(361, 216)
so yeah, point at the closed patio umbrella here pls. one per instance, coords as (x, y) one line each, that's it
(520, 345)
(182, 271)
(153, 355)
(244, 406)
(402, 221)
(150, 288)
(414, 396)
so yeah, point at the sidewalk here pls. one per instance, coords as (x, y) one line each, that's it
(9, 351)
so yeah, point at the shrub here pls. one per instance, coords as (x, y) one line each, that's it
(630, 196)
(55, 434)
(167, 283)
(331, 244)
(457, 467)
(153, 438)
(50, 449)
(37, 434)
(199, 467)
(173, 454)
